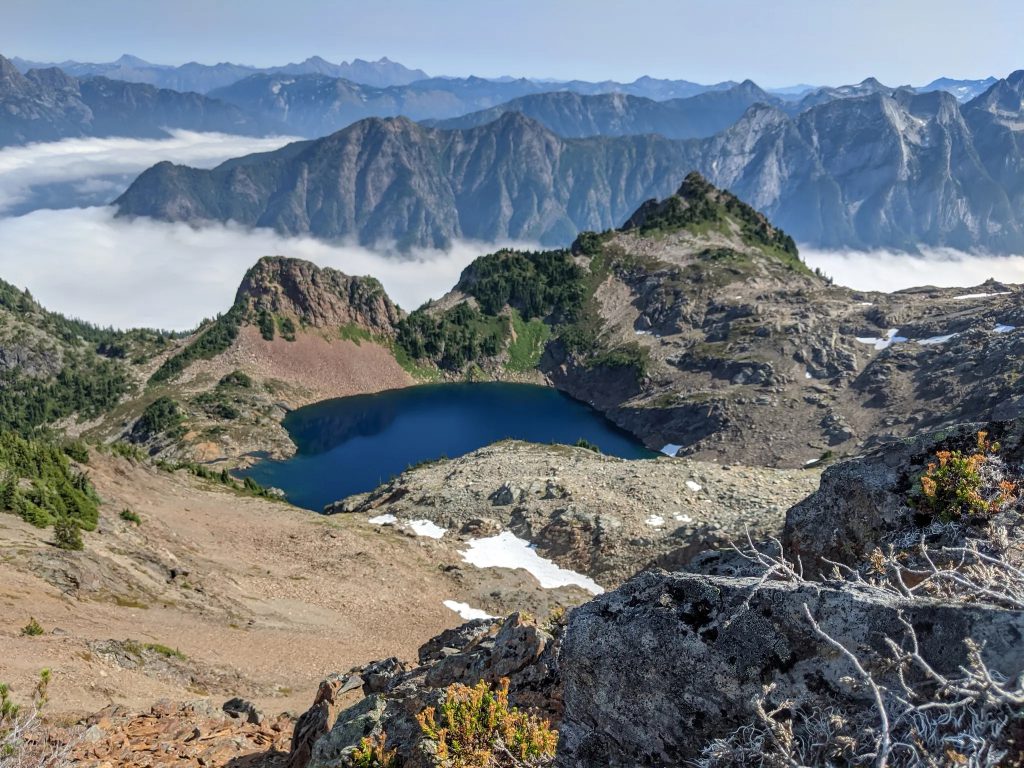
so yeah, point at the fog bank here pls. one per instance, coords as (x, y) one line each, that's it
(889, 271)
(87, 264)
(91, 171)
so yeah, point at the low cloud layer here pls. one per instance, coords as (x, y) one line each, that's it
(87, 264)
(87, 171)
(887, 271)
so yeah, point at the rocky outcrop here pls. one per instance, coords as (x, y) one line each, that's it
(863, 503)
(657, 670)
(319, 297)
(594, 514)
(187, 735)
(515, 649)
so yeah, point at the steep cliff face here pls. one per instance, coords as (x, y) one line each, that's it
(316, 296)
(393, 182)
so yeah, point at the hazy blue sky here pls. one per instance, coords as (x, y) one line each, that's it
(775, 42)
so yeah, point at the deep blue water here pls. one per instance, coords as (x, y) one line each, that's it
(353, 444)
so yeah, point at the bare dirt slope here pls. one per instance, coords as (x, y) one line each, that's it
(260, 599)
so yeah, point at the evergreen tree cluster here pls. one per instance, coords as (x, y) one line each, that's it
(39, 484)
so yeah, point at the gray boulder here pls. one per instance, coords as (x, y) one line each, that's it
(656, 670)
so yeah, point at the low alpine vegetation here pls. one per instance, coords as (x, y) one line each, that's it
(960, 485)
(476, 728)
(372, 752)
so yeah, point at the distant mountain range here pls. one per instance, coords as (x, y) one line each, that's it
(888, 169)
(48, 104)
(202, 78)
(573, 115)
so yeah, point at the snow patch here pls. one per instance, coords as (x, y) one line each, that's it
(655, 521)
(426, 528)
(670, 449)
(883, 343)
(506, 550)
(981, 295)
(937, 339)
(684, 518)
(693, 486)
(466, 612)
(383, 520)
(1004, 328)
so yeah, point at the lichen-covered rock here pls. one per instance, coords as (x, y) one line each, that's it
(489, 650)
(862, 501)
(657, 669)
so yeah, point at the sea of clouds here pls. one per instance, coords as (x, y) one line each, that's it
(78, 259)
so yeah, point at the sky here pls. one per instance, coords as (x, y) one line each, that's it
(774, 42)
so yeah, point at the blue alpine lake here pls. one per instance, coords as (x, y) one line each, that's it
(353, 444)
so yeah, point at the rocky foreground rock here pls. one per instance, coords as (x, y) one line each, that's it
(747, 658)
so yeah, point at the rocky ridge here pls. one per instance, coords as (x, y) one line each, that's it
(594, 514)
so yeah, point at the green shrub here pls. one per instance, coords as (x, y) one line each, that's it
(287, 328)
(953, 486)
(127, 451)
(161, 417)
(78, 451)
(474, 724)
(584, 443)
(67, 535)
(32, 629)
(236, 379)
(266, 324)
(131, 517)
(372, 752)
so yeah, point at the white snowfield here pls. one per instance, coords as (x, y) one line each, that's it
(693, 486)
(981, 295)
(883, 343)
(467, 613)
(419, 527)
(936, 339)
(1004, 328)
(426, 528)
(655, 521)
(383, 520)
(506, 550)
(671, 449)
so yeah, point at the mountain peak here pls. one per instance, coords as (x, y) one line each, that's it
(319, 297)
(698, 203)
(127, 60)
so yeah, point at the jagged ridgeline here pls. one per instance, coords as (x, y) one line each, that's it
(511, 307)
(507, 307)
